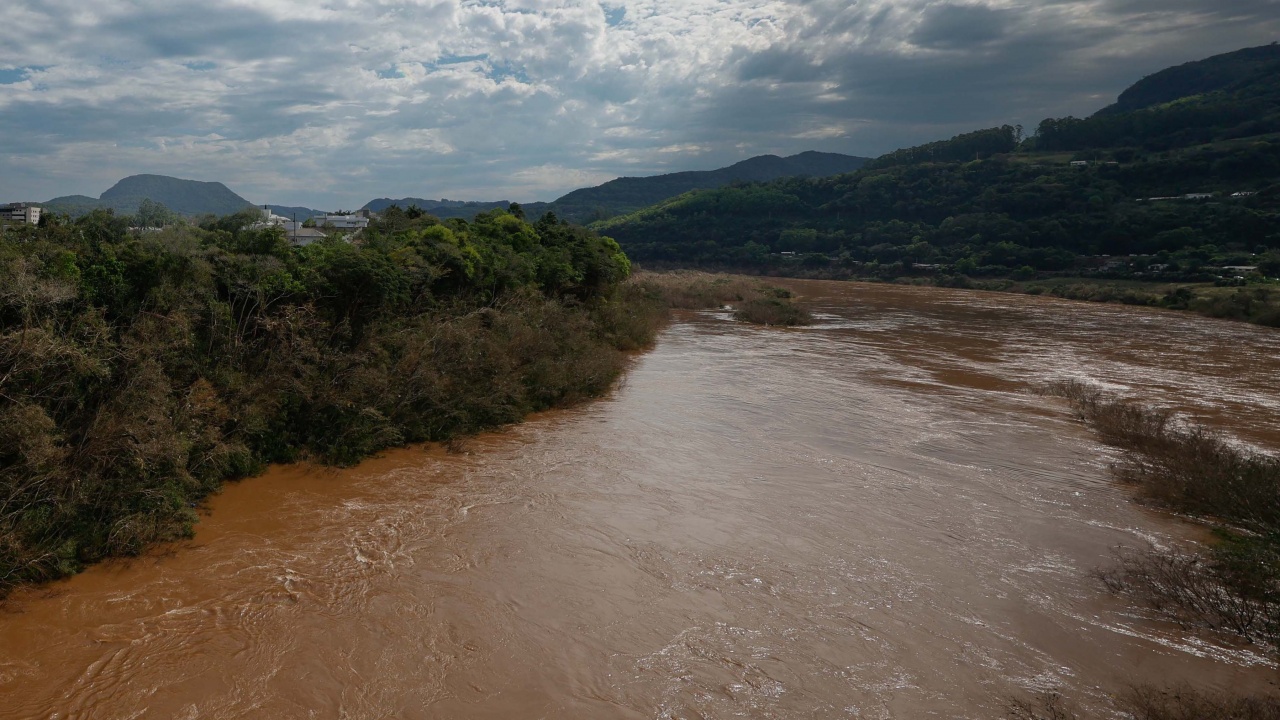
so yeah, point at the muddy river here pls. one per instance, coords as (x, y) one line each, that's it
(868, 518)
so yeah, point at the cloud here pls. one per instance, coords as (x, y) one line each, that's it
(331, 104)
(959, 26)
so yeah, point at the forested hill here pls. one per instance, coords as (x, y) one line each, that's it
(627, 194)
(1219, 73)
(990, 203)
(185, 197)
(1225, 97)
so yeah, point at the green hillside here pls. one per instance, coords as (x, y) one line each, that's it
(985, 204)
(1225, 97)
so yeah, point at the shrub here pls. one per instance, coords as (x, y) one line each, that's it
(773, 311)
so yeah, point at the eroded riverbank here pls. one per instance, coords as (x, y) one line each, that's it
(865, 518)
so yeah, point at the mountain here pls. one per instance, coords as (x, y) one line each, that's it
(1225, 97)
(628, 194)
(1132, 183)
(185, 197)
(1215, 74)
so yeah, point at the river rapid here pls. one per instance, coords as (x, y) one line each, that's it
(868, 518)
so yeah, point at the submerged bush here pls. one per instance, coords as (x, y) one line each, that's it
(1234, 585)
(773, 311)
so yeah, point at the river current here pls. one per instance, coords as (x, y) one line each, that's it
(867, 518)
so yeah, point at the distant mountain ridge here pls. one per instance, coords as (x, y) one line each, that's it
(627, 194)
(185, 197)
(616, 197)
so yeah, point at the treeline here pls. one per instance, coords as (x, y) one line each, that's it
(990, 217)
(961, 148)
(139, 370)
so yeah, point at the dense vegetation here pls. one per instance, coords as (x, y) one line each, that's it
(990, 204)
(443, 209)
(987, 217)
(140, 370)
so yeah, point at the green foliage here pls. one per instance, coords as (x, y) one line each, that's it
(138, 370)
(961, 148)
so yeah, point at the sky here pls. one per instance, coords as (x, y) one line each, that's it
(330, 103)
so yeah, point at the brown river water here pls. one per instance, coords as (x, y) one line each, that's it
(868, 518)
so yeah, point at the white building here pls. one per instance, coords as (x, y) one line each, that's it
(342, 222)
(19, 214)
(270, 218)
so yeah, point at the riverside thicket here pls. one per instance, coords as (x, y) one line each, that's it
(141, 369)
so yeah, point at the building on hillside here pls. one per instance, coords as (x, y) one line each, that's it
(270, 218)
(1080, 163)
(1243, 194)
(19, 214)
(342, 222)
(303, 236)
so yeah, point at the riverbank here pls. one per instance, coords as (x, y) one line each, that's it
(111, 442)
(1254, 303)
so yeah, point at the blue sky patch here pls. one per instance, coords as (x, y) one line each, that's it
(10, 76)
